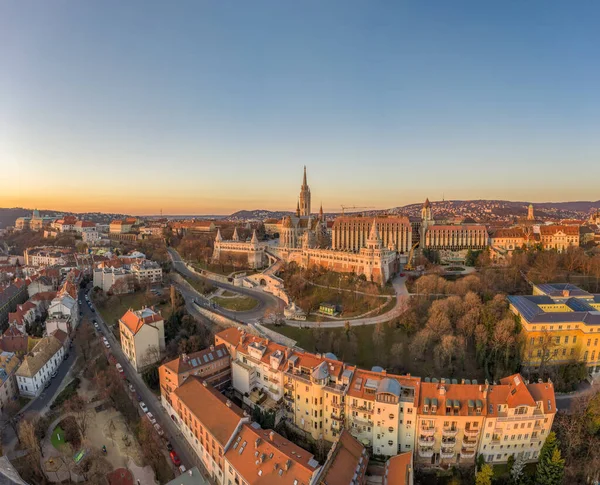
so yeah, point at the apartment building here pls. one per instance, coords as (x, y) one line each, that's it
(381, 410)
(346, 462)
(10, 297)
(121, 226)
(142, 337)
(212, 365)
(146, 272)
(560, 325)
(558, 237)
(518, 419)
(38, 366)
(450, 419)
(47, 256)
(8, 384)
(210, 434)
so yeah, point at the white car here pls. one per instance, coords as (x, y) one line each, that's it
(131, 388)
(151, 418)
(143, 406)
(182, 469)
(119, 368)
(159, 429)
(106, 344)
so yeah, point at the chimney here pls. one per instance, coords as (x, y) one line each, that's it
(462, 381)
(485, 392)
(266, 341)
(287, 465)
(212, 347)
(442, 389)
(566, 293)
(184, 357)
(228, 403)
(204, 383)
(272, 435)
(256, 442)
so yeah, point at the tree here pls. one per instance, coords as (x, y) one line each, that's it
(84, 340)
(517, 471)
(94, 467)
(551, 470)
(378, 335)
(10, 414)
(30, 442)
(82, 416)
(484, 476)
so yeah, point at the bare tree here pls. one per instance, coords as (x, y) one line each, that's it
(76, 406)
(151, 356)
(30, 442)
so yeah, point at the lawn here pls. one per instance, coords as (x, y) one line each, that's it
(118, 306)
(201, 285)
(58, 437)
(239, 304)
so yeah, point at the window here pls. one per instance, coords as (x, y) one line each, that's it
(575, 339)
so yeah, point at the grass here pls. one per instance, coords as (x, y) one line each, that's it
(239, 304)
(54, 439)
(121, 303)
(204, 287)
(228, 293)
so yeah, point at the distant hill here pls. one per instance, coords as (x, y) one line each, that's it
(8, 216)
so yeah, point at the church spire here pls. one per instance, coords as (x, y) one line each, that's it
(321, 213)
(298, 209)
(235, 235)
(304, 184)
(254, 240)
(218, 238)
(374, 235)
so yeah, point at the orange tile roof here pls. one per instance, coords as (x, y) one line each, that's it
(222, 420)
(398, 469)
(513, 232)
(544, 392)
(60, 336)
(347, 457)
(518, 394)
(273, 460)
(358, 389)
(553, 229)
(459, 392)
(135, 320)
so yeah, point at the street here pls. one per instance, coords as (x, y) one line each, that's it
(172, 433)
(265, 300)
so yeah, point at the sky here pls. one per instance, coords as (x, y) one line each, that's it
(208, 107)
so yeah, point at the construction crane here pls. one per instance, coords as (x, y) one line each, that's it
(344, 207)
(409, 266)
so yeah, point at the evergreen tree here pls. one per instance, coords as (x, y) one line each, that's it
(484, 476)
(551, 470)
(517, 471)
(550, 445)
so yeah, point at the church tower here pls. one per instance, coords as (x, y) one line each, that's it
(530, 215)
(304, 197)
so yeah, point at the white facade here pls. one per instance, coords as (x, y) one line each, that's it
(37, 369)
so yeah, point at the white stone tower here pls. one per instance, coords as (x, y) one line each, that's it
(304, 197)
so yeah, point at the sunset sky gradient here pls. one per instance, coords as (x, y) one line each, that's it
(207, 107)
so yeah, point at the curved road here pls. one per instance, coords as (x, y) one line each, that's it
(265, 300)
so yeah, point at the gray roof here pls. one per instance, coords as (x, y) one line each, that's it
(190, 477)
(390, 386)
(556, 289)
(528, 307)
(320, 372)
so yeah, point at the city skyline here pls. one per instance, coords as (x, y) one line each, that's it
(198, 110)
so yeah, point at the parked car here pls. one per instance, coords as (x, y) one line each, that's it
(54, 374)
(181, 469)
(169, 446)
(143, 406)
(96, 326)
(119, 368)
(159, 429)
(174, 458)
(106, 344)
(47, 385)
(92, 308)
(131, 388)
(151, 418)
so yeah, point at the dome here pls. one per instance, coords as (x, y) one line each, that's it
(389, 386)
(376, 368)
(330, 356)
(320, 372)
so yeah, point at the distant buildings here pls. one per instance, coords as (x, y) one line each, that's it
(252, 252)
(559, 238)
(142, 337)
(118, 275)
(33, 223)
(48, 256)
(9, 363)
(350, 233)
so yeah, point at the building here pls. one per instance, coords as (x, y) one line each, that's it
(560, 324)
(450, 419)
(9, 364)
(119, 275)
(25, 314)
(518, 420)
(252, 252)
(559, 238)
(121, 226)
(183, 227)
(146, 272)
(84, 227)
(350, 233)
(11, 296)
(33, 223)
(212, 365)
(263, 457)
(48, 256)
(209, 434)
(346, 462)
(115, 280)
(399, 470)
(142, 337)
(13, 340)
(91, 237)
(38, 366)
(66, 224)
(190, 477)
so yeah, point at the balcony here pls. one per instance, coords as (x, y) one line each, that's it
(426, 441)
(469, 444)
(447, 454)
(361, 421)
(337, 418)
(467, 453)
(449, 432)
(289, 385)
(449, 442)
(337, 405)
(425, 453)
(274, 380)
(288, 398)
(427, 431)
(361, 408)
(471, 431)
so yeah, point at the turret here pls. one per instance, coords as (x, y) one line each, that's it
(218, 238)
(235, 235)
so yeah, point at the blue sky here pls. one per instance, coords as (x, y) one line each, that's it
(210, 107)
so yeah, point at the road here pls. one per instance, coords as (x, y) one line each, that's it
(265, 300)
(172, 433)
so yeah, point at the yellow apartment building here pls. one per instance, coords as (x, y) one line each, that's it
(560, 324)
(518, 419)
